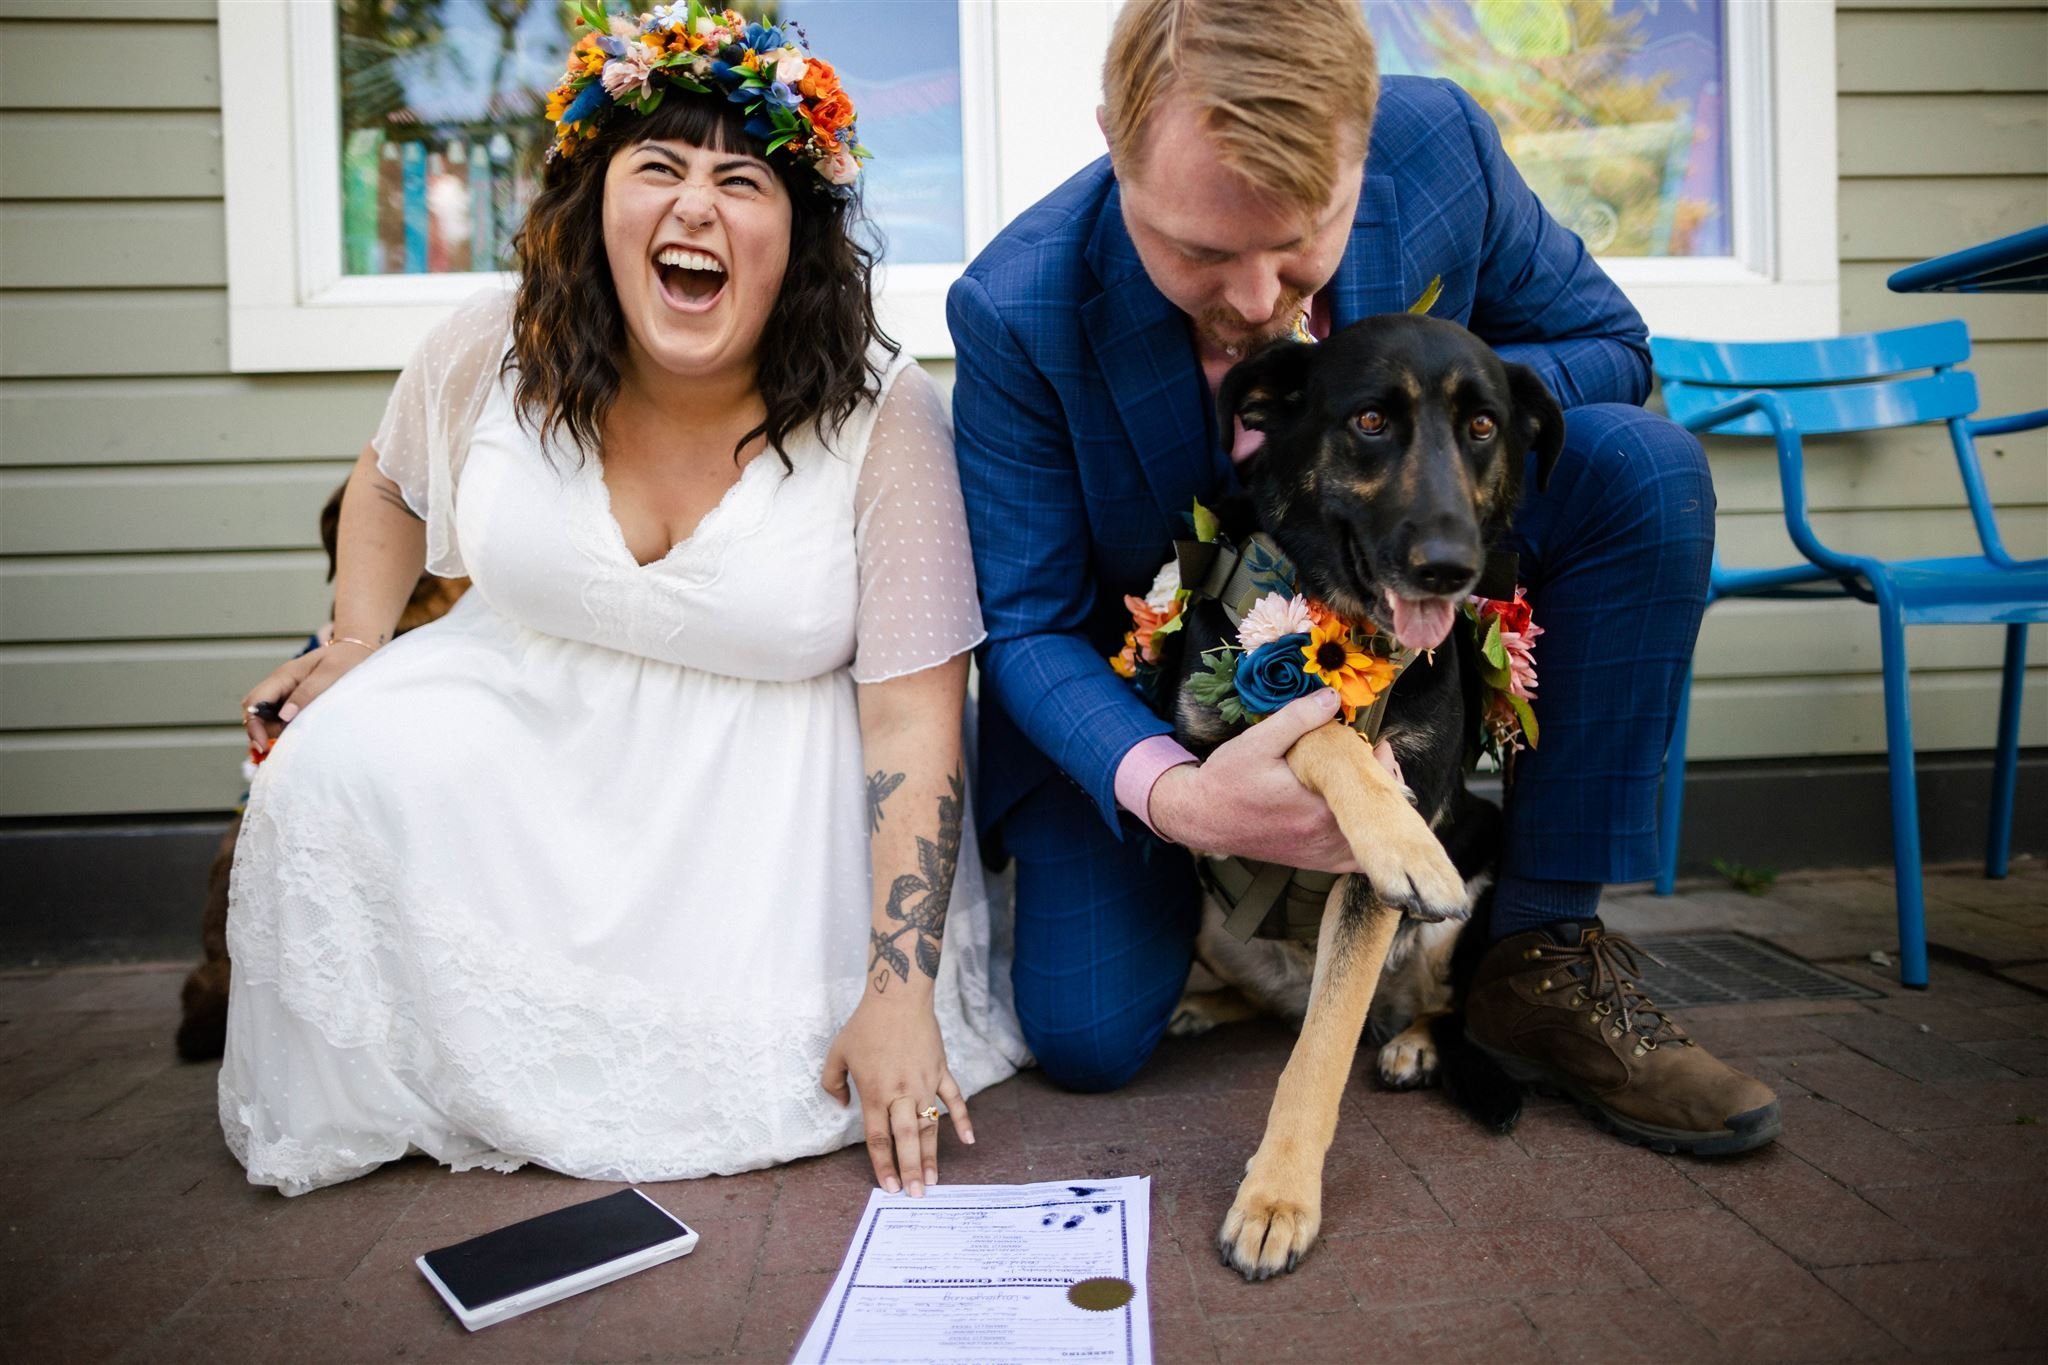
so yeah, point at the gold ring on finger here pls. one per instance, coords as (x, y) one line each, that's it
(930, 1113)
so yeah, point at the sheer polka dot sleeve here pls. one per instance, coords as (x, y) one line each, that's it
(917, 600)
(424, 437)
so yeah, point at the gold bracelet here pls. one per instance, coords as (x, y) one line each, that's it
(352, 640)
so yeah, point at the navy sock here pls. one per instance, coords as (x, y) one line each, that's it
(1521, 904)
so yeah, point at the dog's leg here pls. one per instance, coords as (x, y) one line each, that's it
(1200, 1011)
(1394, 847)
(1279, 1205)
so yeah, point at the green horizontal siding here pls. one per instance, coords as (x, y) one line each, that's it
(142, 246)
(1943, 134)
(176, 421)
(197, 507)
(168, 155)
(161, 597)
(1940, 50)
(132, 683)
(157, 514)
(135, 63)
(113, 332)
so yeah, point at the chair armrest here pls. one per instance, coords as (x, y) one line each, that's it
(1999, 426)
(1791, 471)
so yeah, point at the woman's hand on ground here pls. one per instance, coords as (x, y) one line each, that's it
(892, 1051)
(294, 686)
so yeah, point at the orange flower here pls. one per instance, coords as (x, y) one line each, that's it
(1125, 663)
(818, 78)
(1148, 620)
(1358, 677)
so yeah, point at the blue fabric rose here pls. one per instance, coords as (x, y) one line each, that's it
(780, 94)
(1272, 675)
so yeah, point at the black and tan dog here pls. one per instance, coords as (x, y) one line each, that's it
(1392, 461)
(203, 1025)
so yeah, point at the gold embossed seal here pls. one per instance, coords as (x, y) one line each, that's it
(1101, 1295)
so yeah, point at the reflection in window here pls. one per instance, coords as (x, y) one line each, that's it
(443, 135)
(1613, 110)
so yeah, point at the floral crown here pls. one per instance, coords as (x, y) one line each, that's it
(793, 100)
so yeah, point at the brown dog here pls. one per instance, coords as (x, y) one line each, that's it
(1393, 461)
(202, 1033)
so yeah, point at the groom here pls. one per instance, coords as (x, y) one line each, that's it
(1260, 175)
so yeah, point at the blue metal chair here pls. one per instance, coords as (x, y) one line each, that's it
(1791, 390)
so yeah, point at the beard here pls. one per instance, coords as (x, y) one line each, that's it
(1223, 330)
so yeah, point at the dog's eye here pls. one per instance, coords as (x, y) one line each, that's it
(1482, 428)
(1371, 422)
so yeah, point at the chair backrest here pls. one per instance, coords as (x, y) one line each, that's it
(1825, 383)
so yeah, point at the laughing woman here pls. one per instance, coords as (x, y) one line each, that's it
(629, 863)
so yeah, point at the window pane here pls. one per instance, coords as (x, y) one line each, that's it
(442, 132)
(900, 61)
(1613, 110)
(443, 136)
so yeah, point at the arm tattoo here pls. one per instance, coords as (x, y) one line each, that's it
(881, 786)
(918, 900)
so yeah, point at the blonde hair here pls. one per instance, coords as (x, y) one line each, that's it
(1272, 82)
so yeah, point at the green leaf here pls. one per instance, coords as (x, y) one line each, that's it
(1495, 651)
(1269, 573)
(1206, 525)
(1429, 296)
(1526, 714)
(1170, 628)
(1218, 682)
(775, 144)
(594, 17)
(1233, 713)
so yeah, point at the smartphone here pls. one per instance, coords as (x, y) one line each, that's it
(543, 1260)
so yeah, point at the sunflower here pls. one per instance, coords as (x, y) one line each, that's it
(1357, 676)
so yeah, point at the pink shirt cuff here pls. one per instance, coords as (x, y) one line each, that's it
(1141, 767)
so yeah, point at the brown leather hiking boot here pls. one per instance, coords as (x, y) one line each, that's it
(1559, 1008)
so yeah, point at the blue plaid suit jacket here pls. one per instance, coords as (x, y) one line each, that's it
(1085, 428)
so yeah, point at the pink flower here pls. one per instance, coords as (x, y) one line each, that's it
(628, 75)
(1521, 648)
(840, 168)
(1271, 617)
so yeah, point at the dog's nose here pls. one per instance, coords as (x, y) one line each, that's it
(1442, 565)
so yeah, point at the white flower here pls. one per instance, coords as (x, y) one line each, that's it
(1161, 594)
(666, 16)
(1271, 617)
(790, 66)
(840, 168)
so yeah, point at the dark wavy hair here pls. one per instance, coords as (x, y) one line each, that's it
(814, 360)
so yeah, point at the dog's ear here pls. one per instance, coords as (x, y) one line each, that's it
(1264, 392)
(1539, 421)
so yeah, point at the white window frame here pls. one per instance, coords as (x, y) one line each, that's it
(1029, 91)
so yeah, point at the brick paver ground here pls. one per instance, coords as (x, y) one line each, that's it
(1902, 1215)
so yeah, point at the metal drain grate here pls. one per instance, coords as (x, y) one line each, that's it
(1722, 969)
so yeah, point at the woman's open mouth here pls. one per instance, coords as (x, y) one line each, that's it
(691, 281)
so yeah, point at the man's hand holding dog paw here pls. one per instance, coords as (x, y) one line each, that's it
(1244, 800)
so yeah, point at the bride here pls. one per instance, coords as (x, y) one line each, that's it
(650, 858)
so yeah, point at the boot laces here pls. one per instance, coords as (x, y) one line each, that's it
(1608, 971)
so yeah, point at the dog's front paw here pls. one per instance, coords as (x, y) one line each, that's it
(1274, 1219)
(1410, 871)
(1409, 1060)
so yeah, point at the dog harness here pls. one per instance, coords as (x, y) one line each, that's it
(1270, 900)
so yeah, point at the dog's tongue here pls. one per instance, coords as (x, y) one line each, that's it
(1424, 624)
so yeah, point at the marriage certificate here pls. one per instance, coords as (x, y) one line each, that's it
(987, 1274)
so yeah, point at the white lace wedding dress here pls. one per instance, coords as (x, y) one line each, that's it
(578, 875)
